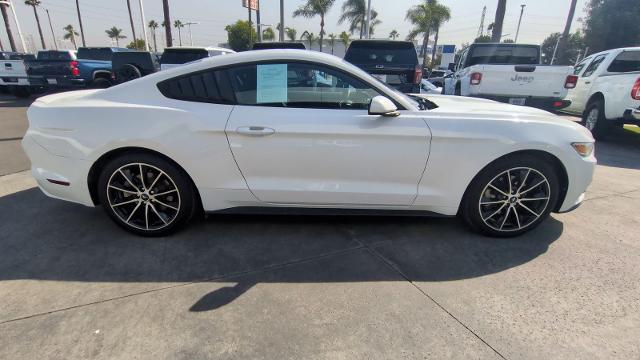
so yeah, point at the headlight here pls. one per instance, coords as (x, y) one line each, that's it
(584, 149)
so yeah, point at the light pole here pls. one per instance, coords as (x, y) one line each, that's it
(190, 35)
(555, 49)
(519, 21)
(368, 20)
(281, 20)
(144, 26)
(15, 18)
(55, 42)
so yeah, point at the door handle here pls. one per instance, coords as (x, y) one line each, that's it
(587, 82)
(255, 131)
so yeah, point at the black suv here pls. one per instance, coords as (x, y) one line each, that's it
(392, 62)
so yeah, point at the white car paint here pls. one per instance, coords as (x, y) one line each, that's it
(613, 87)
(420, 160)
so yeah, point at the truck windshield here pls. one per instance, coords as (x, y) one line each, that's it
(380, 53)
(103, 54)
(492, 54)
(182, 56)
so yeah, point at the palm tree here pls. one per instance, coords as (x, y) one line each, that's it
(426, 17)
(115, 33)
(496, 34)
(374, 22)
(440, 14)
(179, 25)
(34, 3)
(5, 17)
(268, 34)
(393, 34)
(70, 34)
(562, 46)
(310, 37)
(332, 41)
(344, 38)
(291, 33)
(133, 28)
(315, 8)
(355, 11)
(80, 21)
(167, 21)
(153, 25)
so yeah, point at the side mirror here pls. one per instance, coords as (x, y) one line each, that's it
(380, 105)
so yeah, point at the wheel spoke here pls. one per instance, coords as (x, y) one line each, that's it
(146, 215)
(515, 212)
(523, 181)
(133, 212)
(157, 214)
(495, 212)
(125, 202)
(509, 179)
(156, 180)
(493, 202)
(498, 190)
(529, 210)
(505, 217)
(144, 188)
(166, 205)
(533, 187)
(534, 199)
(129, 181)
(123, 190)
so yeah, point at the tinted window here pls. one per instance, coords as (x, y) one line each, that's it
(594, 65)
(279, 45)
(54, 55)
(391, 52)
(103, 54)
(200, 87)
(182, 56)
(578, 68)
(626, 61)
(299, 85)
(493, 54)
(436, 73)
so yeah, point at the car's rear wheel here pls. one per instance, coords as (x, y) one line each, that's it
(594, 120)
(511, 196)
(146, 194)
(129, 72)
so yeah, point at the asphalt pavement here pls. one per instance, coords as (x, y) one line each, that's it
(74, 286)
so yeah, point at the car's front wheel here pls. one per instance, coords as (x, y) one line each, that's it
(146, 194)
(511, 196)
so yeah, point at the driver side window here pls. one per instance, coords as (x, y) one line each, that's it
(299, 85)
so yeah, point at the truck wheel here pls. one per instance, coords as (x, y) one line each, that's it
(20, 91)
(129, 72)
(458, 91)
(101, 83)
(594, 120)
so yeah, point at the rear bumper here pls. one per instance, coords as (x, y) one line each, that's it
(57, 81)
(632, 116)
(537, 102)
(14, 81)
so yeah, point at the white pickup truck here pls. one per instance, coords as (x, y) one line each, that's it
(13, 74)
(510, 73)
(608, 90)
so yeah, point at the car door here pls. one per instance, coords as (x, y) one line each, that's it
(580, 94)
(301, 134)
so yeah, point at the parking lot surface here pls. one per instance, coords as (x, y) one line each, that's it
(73, 285)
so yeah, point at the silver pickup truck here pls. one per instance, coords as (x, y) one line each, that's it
(13, 74)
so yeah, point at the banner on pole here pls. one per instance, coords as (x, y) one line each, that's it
(252, 4)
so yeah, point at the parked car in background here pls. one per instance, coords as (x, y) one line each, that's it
(278, 45)
(226, 134)
(436, 77)
(87, 67)
(426, 87)
(13, 74)
(511, 73)
(392, 62)
(131, 65)
(608, 90)
(176, 56)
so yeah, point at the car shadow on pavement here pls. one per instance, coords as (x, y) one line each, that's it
(47, 239)
(619, 149)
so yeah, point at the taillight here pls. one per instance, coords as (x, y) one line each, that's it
(73, 65)
(635, 91)
(476, 78)
(417, 77)
(571, 82)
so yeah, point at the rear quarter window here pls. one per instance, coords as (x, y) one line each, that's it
(626, 61)
(183, 56)
(205, 86)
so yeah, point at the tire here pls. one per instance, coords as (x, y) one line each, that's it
(594, 119)
(128, 72)
(488, 210)
(21, 91)
(160, 206)
(100, 83)
(458, 91)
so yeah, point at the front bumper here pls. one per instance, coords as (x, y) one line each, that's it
(58, 176)
(580, 172)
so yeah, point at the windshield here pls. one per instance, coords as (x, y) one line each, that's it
(501, 54)
(382, 53)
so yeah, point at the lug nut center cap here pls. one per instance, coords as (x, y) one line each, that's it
(144, 197)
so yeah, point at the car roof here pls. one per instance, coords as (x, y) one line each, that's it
(633, 48)
(208, 48)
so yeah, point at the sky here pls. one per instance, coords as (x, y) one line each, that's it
(541, 18)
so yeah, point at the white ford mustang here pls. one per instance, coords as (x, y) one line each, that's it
(282, 129)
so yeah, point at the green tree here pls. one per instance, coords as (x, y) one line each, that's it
(612, 24)
(344, 38)
(268, 34)
(441, 14)
(310, 37)
(116, 34)
(292, 33)
(508, 41)
(136, 44)
(313, 8)
(70, 34)
(483, 39)
(355, 12)
(34, 4)
(496, 33)
(393, 34)
(332, 41)
(239, 35)
(575, 44)
(7, 26)
(425, 17)
(179, 25)
(153, 25)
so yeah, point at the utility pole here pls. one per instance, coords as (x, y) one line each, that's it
(519, 21)
(258, 27)
(562, 50)
(481, 28)
(80, 21)
(144, 26)
(555, 50)
(15, 19)
(368, 20)
(496, 34)
(190, 35)
(167, 24)
(281, 20)
(55, 41)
